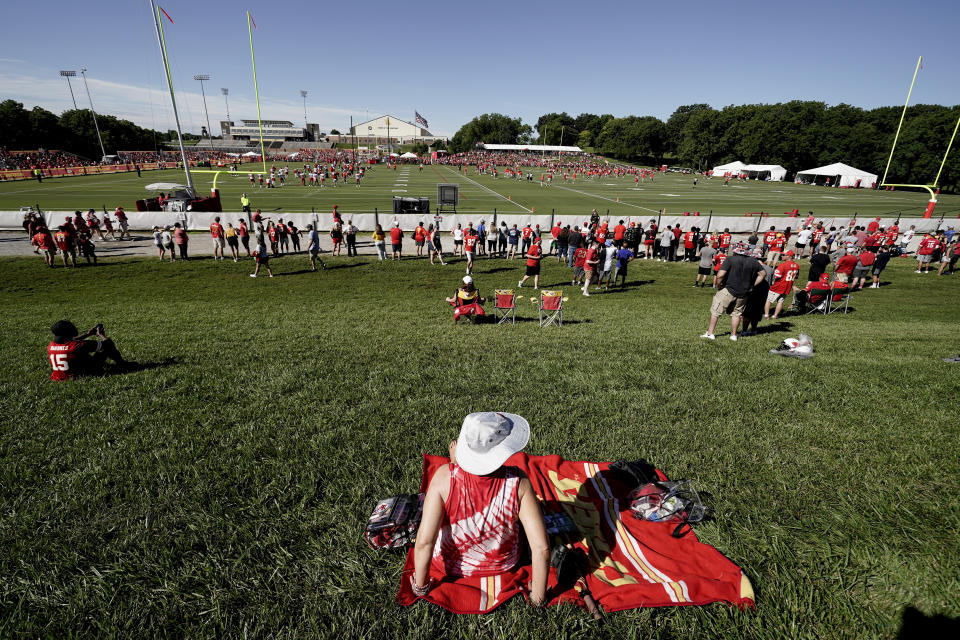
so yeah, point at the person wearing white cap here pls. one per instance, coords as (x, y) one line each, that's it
(467, 301)
(474, 508)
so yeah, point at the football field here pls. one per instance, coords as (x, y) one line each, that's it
(222, 489)
(483, 194)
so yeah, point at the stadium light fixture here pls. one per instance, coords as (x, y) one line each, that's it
(226, 100)
(68, 75)
(201, 77)
(83, 74)
(303, 94)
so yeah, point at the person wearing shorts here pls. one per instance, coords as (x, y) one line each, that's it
(263, 259)
(217, 236)
(705, 266)
(232, 241)
(739, 274)
(534, 255)
(879, 264)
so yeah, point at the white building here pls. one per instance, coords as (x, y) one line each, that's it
(400, 131)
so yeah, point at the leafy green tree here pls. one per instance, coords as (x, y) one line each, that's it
(494, 128)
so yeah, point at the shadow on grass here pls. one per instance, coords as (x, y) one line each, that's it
(916, 624)
(626, 287)
(134, 367)
(494, 270)
(776, 327)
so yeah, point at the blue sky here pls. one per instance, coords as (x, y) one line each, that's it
(454, 60)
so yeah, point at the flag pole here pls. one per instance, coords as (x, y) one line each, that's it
(256, 93)
(161, 40)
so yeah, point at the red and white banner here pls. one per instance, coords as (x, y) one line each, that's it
(632, 563)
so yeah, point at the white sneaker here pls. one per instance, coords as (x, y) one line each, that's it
(918, 271)
(709, 336)
(586, 294)
(520, 284)
(253, 275)
(733, 337)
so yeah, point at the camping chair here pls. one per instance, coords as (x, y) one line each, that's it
(839, 298)
(818, 301)
(551, 308)
(505, 306)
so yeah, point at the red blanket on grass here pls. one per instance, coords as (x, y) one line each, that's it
(632, 563)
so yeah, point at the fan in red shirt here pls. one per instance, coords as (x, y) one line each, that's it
(893, 232)
(844, 267)
(470, 240)
(928, 244)
(618, 232)
(396, 239)
(873, 226)
(70, 355)
(534, 255)
(219, 241)
(65, 244)
(725, 239)
(814, 294)
(768, 239)
(783, 277)
(689, 249)
(43, 241)
(590, 261)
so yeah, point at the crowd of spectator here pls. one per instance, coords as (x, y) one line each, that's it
(39, 159)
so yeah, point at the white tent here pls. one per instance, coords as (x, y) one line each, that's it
(251, 154)
(409, 154)
(733, 168)
(839, 174)
(759, 171)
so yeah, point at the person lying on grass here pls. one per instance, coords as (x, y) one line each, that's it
(474, 508)
(467, 301)
(71, 355)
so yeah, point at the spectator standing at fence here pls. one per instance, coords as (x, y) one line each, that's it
(502, 240)
(396, 240)
(350, 234)
(181, 239)
(666, 239)
(574, 242)
(218, 237)
(231, 234)
(513, 237)
(380, 242)
(244, 234)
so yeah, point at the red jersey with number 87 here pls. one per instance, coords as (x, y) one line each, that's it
(783, 277)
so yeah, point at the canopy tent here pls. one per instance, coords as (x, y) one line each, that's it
(733, 168)
(251, 154)
(773, 172)
(533, 148)
(409, 154)
(757, 171)
(837, 174)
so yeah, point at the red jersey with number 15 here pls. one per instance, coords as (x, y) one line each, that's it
(63, 358)
(783, 277)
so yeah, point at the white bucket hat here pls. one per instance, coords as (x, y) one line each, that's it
(488, 438)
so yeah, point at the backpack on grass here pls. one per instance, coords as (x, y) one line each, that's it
(394, 522)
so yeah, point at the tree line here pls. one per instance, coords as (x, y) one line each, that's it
(797, 135)
(74, 131)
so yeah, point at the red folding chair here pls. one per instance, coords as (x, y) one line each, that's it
(505, 306)
(551, 308)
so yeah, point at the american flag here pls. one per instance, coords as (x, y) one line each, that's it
(420, 120)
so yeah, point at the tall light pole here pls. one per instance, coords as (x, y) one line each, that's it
(83, 74)
(303, 94)
(226, 92)
(68, 75)
(201, 77)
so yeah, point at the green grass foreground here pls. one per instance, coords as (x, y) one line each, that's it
(224, 494)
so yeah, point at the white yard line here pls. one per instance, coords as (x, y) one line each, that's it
(491, 190)
(592, 195)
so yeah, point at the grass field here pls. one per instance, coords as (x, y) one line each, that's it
(483, 194)
(222, 491)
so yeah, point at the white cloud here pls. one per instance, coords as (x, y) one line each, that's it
(151, 107)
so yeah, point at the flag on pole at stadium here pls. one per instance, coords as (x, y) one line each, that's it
(166, 14)
(420, 120)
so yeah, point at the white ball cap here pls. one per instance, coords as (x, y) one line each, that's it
(488, 438)
(467, 280)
